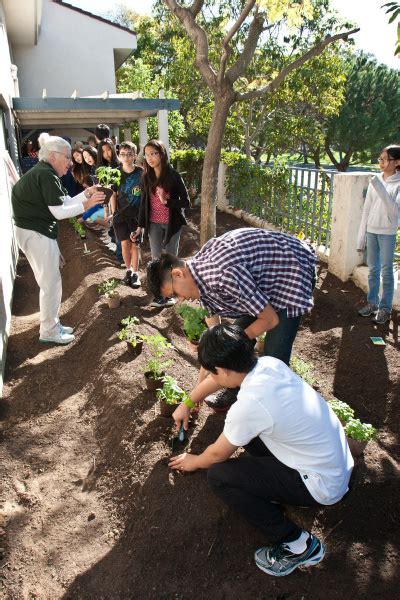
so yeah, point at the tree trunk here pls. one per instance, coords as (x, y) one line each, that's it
(316, 153)
(212, 156)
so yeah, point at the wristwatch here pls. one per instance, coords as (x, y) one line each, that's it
(87, 194)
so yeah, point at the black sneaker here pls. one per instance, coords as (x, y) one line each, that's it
(162, 302)
(224, 400)
(280, 561)
(128, 278)
(135, 281)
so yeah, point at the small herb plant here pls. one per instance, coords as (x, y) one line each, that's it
(193, 321)
(171, 393)
(343, 411)
(107, 176)
(78, 227)
(362, 432)
(156, 366)
(303, 369)
(129, 333)
(129, 321)
(108, 288)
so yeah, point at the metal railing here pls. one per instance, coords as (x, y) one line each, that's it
(300, 202)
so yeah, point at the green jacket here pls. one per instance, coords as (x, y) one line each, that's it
(31, 196)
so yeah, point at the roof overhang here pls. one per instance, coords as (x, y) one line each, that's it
(22, 20)
(52, 113)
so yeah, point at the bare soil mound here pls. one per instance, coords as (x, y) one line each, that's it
(89, 509)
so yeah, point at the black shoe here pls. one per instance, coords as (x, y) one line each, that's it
(135, 281)
(128, 278)
(224, 400)
(162, 302)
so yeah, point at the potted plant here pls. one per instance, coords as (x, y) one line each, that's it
(170, 395)
(193, 322)
(358, 435)
(343, 411)
(127, 321)
(129, 334)
(106, 177)
(108, 289)
(156, 365)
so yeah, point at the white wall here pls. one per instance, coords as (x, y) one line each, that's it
(74, 51)
(8, 246)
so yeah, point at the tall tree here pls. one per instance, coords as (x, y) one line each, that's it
(369, 117)
(242, 29)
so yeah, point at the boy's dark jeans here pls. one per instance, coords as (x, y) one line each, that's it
(257, 485)
(279, 340)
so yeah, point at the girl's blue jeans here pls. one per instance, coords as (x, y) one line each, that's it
(380, 253)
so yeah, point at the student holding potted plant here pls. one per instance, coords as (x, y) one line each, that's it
(109, 177)
(125, 209)
(296, 449)
(162, 207)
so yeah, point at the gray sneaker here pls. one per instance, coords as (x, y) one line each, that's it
(280, 561)
(382, 316)
(368, 310)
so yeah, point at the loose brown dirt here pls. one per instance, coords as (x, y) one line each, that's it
(89, 508)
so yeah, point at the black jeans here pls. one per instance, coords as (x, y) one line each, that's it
(256, 486)
(279, 340)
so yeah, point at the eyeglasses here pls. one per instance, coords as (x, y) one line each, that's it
(126, 153)
(382, 159)
(151, 154)
(68, 157)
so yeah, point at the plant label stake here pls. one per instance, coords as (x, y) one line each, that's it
(86, 251)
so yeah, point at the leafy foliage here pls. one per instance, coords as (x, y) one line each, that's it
(394, 8)
(342, 410)
(171, 393)
(158, 344)
(108, 288)
(303, 370)
(107, 176)
(78, 227)
(193, 320)
(369, 117)
(363, 432)
(129, 332)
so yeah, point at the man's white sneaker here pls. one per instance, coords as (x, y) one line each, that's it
(67, 329)
(61, 337)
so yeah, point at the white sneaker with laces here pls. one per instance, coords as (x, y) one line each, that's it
(67, 329)
(60, 337)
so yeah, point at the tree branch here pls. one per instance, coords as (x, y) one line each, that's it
(198, 37)
(315, 51)
(239, 67)
(196, 7)
(226, 49)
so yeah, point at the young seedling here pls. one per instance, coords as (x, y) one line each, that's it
(171, 393)
(128, 333)
(362, 432)
(155, 366)
(107, 176)
(108, 288)
(193, 321)
(343, 411)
